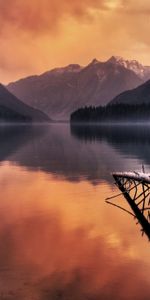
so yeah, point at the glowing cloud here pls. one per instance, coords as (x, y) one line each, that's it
(67, 31)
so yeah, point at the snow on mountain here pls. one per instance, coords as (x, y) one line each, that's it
(60, 91)
(142, 71)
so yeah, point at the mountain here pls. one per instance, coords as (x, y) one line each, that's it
(139, 95)
(12, 109)
(141, 71)
(61, 91)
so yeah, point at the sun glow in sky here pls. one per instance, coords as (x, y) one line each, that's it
(38, 35)
(113, 4)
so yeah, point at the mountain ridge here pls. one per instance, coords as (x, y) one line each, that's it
(60, 91)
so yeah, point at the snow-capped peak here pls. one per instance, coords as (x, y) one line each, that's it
(132, 65)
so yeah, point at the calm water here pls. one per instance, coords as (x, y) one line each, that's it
(58, 237)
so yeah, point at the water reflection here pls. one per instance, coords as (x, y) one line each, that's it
(46, 261)
(90, 153)
(114, 134)
(58, 238)
(14, 137)
(129, 141)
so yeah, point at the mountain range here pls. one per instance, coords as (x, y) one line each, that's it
(14, 110)
(61, 91)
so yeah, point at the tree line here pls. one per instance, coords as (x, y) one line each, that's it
(112, 113)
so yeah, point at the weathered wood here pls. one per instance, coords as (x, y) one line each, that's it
(138, 176)
(139, 213)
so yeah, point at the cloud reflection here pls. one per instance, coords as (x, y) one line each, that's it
(49, 261)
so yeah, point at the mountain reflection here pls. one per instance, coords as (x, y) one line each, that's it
(14, 137)
(82, 153)
(58, 238)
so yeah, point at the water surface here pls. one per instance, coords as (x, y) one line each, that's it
(58, 237)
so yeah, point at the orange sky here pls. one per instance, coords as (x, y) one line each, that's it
(38, 35)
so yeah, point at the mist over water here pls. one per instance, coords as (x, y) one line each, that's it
(58, 237)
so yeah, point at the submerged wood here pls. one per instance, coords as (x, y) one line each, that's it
(135, 187)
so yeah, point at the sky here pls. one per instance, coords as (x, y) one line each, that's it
(38, 35)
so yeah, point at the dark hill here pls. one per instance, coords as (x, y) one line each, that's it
(137, 96)
(12, 109)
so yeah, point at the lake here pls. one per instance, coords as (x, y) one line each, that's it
(59, 239)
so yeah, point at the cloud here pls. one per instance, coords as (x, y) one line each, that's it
(54, 29)
(134, 7)
(39, 15)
